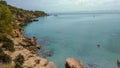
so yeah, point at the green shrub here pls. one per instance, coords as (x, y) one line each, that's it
(8, 46)
(19, 59)
(18, 66)
(9, 66)
(5, 39)
(7, 43)
(4, 57)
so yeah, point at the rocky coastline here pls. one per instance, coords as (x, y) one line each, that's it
(22, 54)
(27, 47)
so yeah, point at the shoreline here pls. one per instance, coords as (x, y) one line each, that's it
(27, 47)
(16, 50)
(32, 59)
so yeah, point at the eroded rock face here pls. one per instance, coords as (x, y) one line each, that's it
(73, 63)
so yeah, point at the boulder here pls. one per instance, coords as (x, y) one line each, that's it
(73, 63)
(38, 46)
(51, 65)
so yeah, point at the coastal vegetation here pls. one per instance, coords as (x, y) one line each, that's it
(13, 18)
(24, 16)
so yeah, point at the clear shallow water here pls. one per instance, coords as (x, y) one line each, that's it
(78, 36)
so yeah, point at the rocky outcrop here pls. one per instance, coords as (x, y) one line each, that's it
(35, 62)
(73, 63)
(23, 46)
(31, 60)
(51, 65)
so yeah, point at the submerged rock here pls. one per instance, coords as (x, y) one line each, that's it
(47, 53)
(73, 63)
(91, 65)
(38, 47)
(35, 20)
(98, 45)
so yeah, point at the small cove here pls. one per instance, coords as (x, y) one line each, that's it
(78, 36)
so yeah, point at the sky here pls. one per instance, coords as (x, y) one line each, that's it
(52, 6)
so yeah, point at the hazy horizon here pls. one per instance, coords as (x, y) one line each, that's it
(64, 6)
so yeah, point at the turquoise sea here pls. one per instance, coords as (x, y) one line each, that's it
(78, 36)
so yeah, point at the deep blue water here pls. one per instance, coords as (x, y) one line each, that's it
(78, 36)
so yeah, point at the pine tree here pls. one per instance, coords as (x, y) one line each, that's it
(5, 19)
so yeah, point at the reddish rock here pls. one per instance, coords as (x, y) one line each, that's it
(73, 63)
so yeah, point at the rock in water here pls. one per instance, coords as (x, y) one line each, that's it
(118, 63)
(73, 63)
(38, 46)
